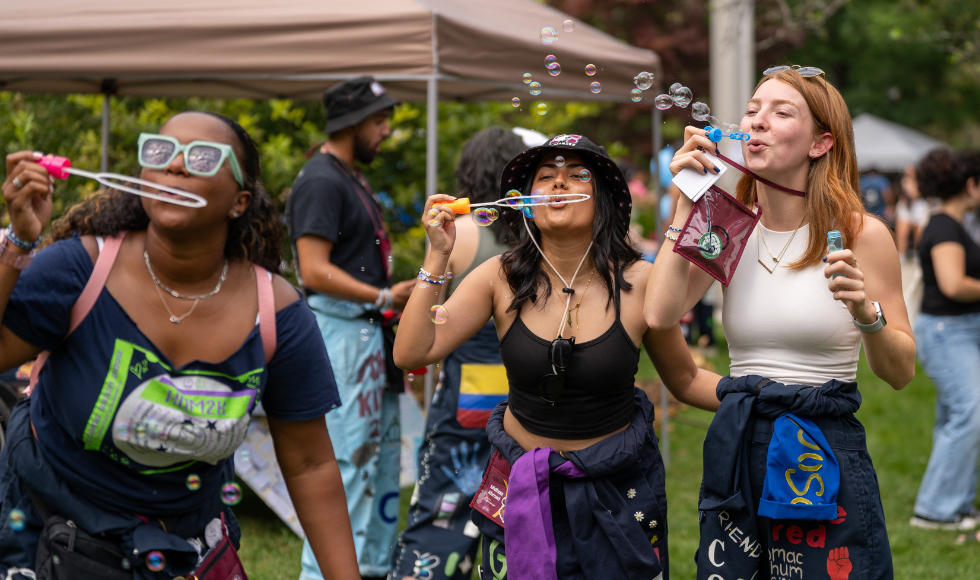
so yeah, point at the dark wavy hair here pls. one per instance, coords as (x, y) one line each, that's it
(611, 250)
(943, 174)
(480, 165)
(256, 236)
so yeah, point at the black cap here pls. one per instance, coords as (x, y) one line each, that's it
(520, 169)
(352, 101)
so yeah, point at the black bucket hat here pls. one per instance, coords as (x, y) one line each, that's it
(352, 101)
(520, 168)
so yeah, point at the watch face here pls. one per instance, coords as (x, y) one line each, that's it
(881, 313)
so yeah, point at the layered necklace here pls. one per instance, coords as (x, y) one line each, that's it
(161, 287)
(775, 259)
(577, 304)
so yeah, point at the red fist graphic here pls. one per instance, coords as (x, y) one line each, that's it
(838, 564)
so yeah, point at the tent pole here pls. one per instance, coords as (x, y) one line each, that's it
(431, 188)
(104, 164)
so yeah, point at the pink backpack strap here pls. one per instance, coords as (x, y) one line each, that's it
(88, 297)
(267, 311)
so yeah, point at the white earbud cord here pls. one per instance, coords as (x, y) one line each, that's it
(568, 300)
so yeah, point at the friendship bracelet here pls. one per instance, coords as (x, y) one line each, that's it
(670, 237)
(673, 229)
(22, 244)
(432, 279)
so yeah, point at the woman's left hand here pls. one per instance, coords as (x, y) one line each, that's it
(849, 288)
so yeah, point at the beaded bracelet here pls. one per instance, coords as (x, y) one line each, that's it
(432, 279)
(670, 237)
(22, 244)
(673, 229)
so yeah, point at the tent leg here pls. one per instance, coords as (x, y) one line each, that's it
(104, 164)
(432, 138)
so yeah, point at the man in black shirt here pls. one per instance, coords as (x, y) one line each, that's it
(344, 263)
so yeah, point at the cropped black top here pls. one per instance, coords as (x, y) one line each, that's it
(597, 397)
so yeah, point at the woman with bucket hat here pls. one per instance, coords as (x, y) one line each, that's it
(575, 434)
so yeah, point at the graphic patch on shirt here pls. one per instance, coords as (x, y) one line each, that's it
(168, 418)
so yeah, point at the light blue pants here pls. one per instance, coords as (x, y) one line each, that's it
(365, 431)
(949, 349)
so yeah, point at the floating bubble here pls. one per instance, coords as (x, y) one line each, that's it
(18, 521)
(700, 111)
(449, 275)
(554, 69)
(141, 431)
(125, 564)
(56, 559)
(153, 428)
(365, 335)
(682, 97)
(422, 284)
(433, 217)
(590, 69)
(643, 81)
(193, 482)
(542, 109)
(673, 88)
(585, 175)
(244, 456)
(527, 78)
(121, 431)
(484, 216)
(550, 59)
(548, 35)
(515, 102)
(231, 493)
(156, 561)
(595, 87)
(528, 211)
(411, 377)
(535, 88)
(560, 161)
(362, 268)
(438, 314)
(663, 102)
(514, 199)
(636, 95)
(568, 26)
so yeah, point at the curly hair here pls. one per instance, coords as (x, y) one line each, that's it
(943, 174)
(480, 166)
(256, 236)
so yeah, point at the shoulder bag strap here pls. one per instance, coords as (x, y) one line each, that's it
(267, 311)
(88, 297)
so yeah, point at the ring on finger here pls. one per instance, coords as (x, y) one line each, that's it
(17, 183)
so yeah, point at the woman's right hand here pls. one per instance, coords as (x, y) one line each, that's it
(29, 205)
(442, 235)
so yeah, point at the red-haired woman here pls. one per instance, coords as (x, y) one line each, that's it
(785, 443)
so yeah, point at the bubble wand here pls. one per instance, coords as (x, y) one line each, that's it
(485, 214)
(60, 168)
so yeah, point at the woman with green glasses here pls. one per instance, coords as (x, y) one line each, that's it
(166, 327)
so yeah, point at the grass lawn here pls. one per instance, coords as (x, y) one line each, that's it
(899, 427)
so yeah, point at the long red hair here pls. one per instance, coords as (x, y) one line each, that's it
(833, 191)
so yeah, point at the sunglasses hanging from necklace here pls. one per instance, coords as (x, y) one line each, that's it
(60, 168)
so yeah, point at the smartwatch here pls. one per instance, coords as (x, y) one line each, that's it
(874, 326)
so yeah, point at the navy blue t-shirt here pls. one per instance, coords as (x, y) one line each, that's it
(124, 427)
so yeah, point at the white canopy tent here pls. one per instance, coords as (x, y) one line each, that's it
(888, 147)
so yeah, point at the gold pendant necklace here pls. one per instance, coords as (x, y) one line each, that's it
(579, 303)
(775, 259)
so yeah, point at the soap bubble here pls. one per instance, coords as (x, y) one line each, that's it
(535, 88)
(595, 87)
(568, 26)
(663, 102)
(141, 431)
(121, 431)
(421, 284)
(515, 102)
(193, 482)
(484, 216)
(125, 564)
(18, 521)
(673, 88)
(636, 95)
(433, 217)
(411, 377)
(585, 175)
(438, 314)
(548, 35)
(590, 69)
(550, 59)
(514, 199)
(365, 335)
(554, 69)
(527, 78)
(449, 275)
(231, 493)
(700, 111)
(682, 97)
(542, 109)
(528, 211)
(559, 161)
(244, 456)
(643, 81)
(156, 561)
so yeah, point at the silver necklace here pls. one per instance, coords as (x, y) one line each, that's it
(157, 284)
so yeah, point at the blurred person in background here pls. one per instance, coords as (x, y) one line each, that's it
(876, 193)
(948, 336)
(911, 216)
(344, 264)
(440, 541)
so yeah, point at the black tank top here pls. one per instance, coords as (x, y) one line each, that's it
(597, 397)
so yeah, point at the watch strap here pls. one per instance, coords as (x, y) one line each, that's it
(12, 259)
(874, 326)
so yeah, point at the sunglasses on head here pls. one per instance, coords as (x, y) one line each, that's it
(805, 71)
(202, 158)
(560, 355)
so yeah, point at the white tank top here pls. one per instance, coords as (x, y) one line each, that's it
(786, 326)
